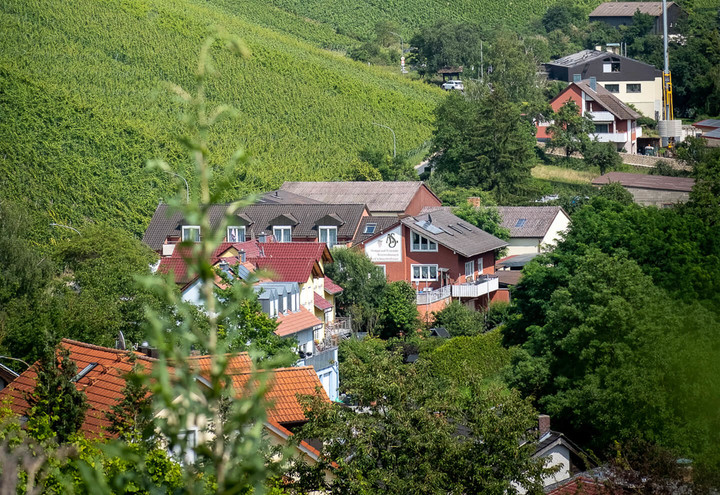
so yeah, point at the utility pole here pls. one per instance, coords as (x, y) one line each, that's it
(393, 133)
(402, 52)
(667, 81)
(187, 188)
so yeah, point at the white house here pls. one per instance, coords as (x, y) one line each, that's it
(533, 229)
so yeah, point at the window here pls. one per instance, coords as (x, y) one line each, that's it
(611, 65)
(422, 273)
(191, 233)
(282, 234)
(520, 223)
(421, 243)
(469, 269)
(602, 128)
(328, 235)
(613, 88)
(384, 270)
(370, 228)
(633, 88)
(236, 234)
(189, 438)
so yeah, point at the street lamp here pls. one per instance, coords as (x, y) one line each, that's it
(187, 188)
(393, 133)
(65, 227)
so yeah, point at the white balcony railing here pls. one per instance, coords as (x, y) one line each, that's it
(601, 116)
(431, 296)
(611, 137)
(484, 285)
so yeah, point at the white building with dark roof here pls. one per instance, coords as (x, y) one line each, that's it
(533, 229)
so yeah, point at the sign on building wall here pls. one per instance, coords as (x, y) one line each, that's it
(386, 248)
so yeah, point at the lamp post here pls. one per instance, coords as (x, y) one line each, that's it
(65, 227)
(393, 133)
(187, 188)
(402, 51)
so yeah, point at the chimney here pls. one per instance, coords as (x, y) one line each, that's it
(262, 237)
(577, 78)
(593, 84)
(598, 48)
(243, 258)
(544, 424)
(474, 201)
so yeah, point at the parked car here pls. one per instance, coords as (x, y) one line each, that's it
(453, 84)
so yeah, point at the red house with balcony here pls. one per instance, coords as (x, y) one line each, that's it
(615, 122)
(441, 255)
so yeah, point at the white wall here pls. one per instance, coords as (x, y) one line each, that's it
(559, 225)
(523, 245)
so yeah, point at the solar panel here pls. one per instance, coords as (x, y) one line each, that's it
(465, 227)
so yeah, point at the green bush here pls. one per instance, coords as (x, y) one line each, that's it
(480, 357)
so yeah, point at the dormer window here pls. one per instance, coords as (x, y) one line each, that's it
(236, 234)
(611, 65)
(191, 233)
(422, 243)
(282, 233)
(328, 235)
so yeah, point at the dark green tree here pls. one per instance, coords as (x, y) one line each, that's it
(484, 141)
(458, 319)
(363, 285)
(131, 419)
(57, 407)
(398, 312)
(564, 16)
(485, 217)
(570, 130)
(605, 156)
(408, 437)
(512, 67)
(447, 44)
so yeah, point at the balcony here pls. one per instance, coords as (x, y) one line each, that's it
(432, 296)
(321, 359)
(601, 116)
(611, 137)
(485, 284)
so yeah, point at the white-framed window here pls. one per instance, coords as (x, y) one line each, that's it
(633, 88)
(613, 88)
(328, 235)
(370, 228)
(273, 307)
(422, 273)
(384, 270)
(469, 269)
(236, 234)
(190, 439)
(480, 266)
(191, 233)
(422, 243)
(282, 233)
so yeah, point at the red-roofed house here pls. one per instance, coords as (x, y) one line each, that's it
(102, 372)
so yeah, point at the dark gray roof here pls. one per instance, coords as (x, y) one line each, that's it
(261, 216)
(439, 332)
(382, 224)
(578, 58)
(628, 9)
(388, 197)
(642, 181)
(286, 197)
(517, 260)
(537, 219)
(454, 233)
(608, 101)
(712, 134)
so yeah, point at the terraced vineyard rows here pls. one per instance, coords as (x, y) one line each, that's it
(83, 104)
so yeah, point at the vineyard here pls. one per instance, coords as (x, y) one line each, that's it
(358, 17)
(84, 103)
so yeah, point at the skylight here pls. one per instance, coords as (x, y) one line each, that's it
(87, 369)
(370, 228)
(521, 222)
(425, 225)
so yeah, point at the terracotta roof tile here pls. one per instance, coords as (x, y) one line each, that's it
(628, 9)
(321, 303)
(285, 386)
(295, 322)
(584, 485)
(331, 287)
(286, 269)
(647, 181)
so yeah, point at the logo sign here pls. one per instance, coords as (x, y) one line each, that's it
(386, 248)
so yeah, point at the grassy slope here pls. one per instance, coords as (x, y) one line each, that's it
(83, 103)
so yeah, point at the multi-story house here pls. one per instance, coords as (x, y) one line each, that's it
(439, 254)
(614, 121)
(621, 14)
(291, 287)
(533, 228)
(332, 224)
(631, 81)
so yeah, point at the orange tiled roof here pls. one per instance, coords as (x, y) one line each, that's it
(285, 386)
(238, 363)
(103, 384)
(331, 287)
(296, 322)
